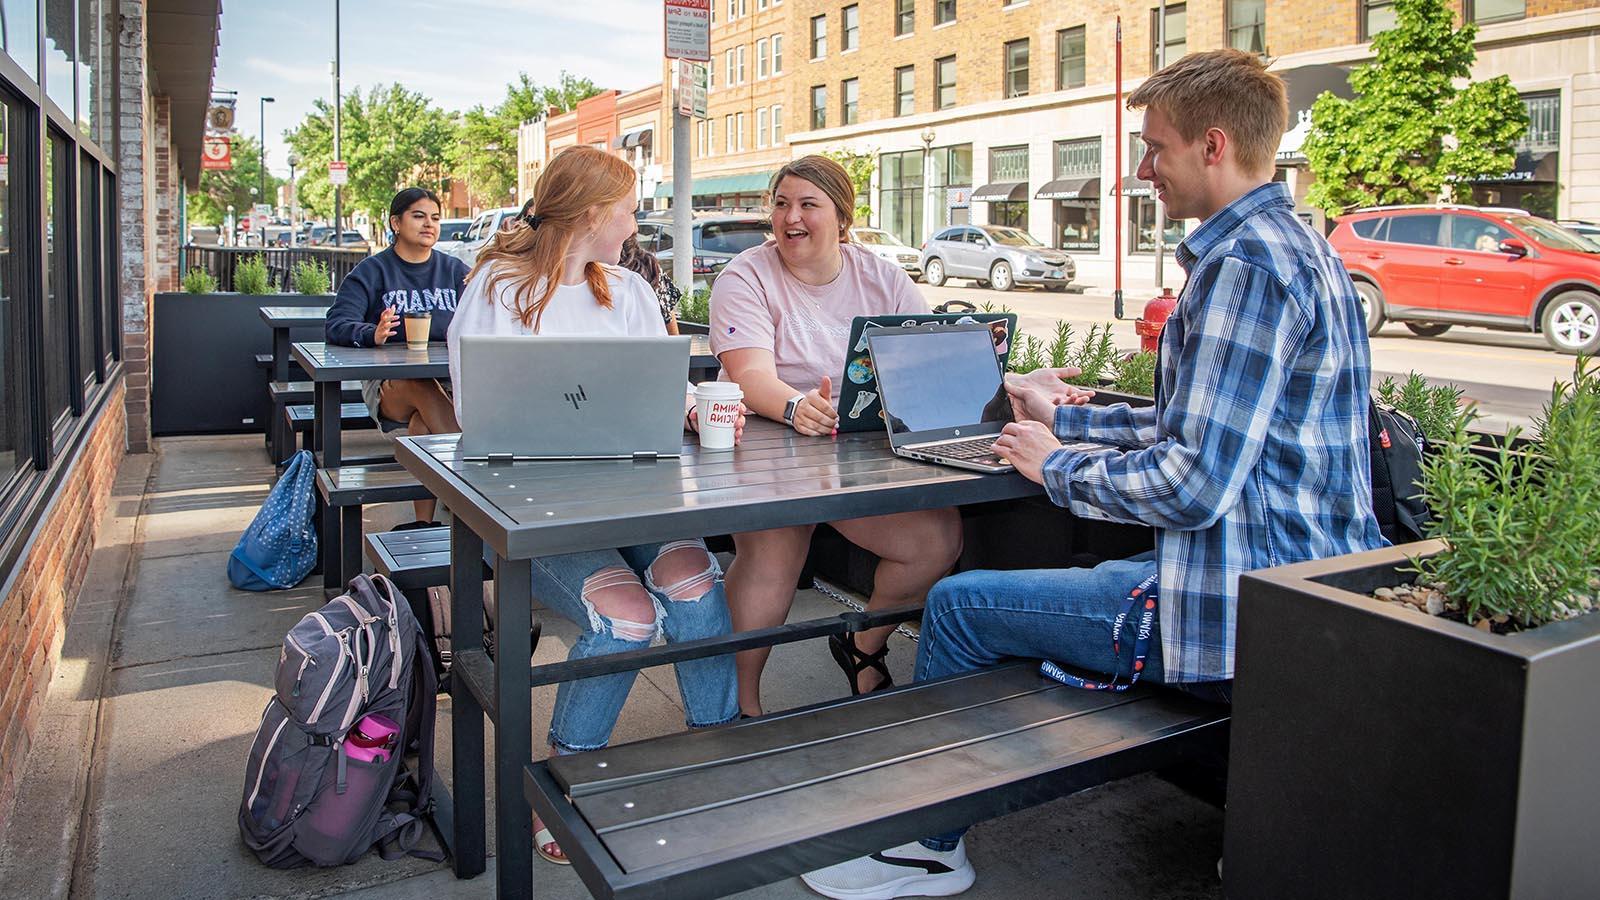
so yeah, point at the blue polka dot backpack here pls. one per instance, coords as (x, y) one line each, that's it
(279, 549)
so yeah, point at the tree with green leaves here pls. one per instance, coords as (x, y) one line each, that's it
(391, 138)
(238, 186)
(485, 149)
(859, 167)
(1411, 134)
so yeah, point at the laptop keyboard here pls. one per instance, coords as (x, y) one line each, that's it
(976, 449)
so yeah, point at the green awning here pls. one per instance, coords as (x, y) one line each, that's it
(745, 183)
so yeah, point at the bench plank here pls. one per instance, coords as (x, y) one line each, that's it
(301, 416)
(375, 483)
(968, 771)
(679, 754)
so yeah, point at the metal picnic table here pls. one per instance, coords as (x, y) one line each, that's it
(520, 510)
(282, 318)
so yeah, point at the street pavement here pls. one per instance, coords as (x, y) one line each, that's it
(1508, 375)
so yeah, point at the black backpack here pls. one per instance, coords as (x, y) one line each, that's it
(1397, 445)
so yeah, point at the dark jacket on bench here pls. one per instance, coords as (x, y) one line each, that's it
(385, 280)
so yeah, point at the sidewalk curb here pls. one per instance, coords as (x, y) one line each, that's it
(57, 783)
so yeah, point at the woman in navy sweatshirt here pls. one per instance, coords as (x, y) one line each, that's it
(406, 277)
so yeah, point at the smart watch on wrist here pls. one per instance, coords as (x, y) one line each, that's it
(791, 407)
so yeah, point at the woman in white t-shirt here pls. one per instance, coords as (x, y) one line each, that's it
(558, 275)
(780, 318)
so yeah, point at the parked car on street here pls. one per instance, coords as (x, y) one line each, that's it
(1590, 230)
(484, 227)
(1432, 267)
(349, 240)
(886, 245)
(997, 256)
(718, 238)
(452, 234)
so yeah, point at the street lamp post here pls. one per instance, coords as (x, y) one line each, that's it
(927, 184)
(338, 121)
(263, 148)
(293, 161)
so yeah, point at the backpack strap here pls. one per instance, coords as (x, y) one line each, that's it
(1383, 500)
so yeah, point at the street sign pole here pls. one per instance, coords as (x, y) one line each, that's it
(686, 35)
(338, 103)
(1161, 208)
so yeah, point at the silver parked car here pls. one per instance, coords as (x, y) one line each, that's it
(882, 243)
(999, 256)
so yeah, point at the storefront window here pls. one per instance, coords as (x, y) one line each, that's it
(59, 75)
(952, 169)
(58, 281)
(20, 33)
(88, 267)
(88, 70)
(1532, 183)
(1142, 210)
(110, 303)
(901, 195)
(1009, 164)
(17, 236)
(1077, 221)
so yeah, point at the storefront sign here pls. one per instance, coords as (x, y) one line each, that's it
(688, 29)
(216, 153)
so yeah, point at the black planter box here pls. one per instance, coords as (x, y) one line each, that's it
(203, 375)
(693, 327)
(1378, 752)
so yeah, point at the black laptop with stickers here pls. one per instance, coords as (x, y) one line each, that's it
(860, 406)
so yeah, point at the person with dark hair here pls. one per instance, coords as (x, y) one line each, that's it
(644, 264)
(405, 277)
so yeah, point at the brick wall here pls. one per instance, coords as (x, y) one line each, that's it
(33, 615)
(135, 220)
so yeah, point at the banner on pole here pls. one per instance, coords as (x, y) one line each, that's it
(687, 34)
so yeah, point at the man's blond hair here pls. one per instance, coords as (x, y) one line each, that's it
(1227, 89)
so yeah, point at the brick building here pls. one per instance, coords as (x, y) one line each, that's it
(101, 120)
(1002, 111)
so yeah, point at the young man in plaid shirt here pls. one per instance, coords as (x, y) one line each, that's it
(1254, 455)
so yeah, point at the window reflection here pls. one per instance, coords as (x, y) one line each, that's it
(58, 40)
(19, 33)
(58, 287)
(14, 244)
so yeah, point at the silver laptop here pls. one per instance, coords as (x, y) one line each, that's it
(943, 394)
(572, 397)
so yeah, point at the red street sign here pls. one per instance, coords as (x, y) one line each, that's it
(244, 224)
(216, 153)
(339, 172)
(687, 31)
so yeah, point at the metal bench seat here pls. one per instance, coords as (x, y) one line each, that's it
(344, 491)
(712, 812)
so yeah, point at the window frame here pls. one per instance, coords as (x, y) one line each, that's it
(1230, 27)
(1010, 71)
(850, 109)
(761, 127)
(1470, 14)
(777, 124)
(905, 17)
(777, 53)
(1062, 81)
(740, 56)
(761, 60)
(1155, 36)
(819, 106)
(905, 98)
(1364, 16)
(850, 34)
(939, 86)
(819, 36)
(944, 12)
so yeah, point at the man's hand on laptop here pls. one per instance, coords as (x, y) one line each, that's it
(1035, 396)
(1026, 445)
(815, 415)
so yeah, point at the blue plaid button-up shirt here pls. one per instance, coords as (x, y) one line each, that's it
(1255, 453)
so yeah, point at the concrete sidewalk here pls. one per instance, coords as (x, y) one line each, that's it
(133, 784)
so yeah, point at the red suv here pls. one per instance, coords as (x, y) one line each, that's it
(1436, 266)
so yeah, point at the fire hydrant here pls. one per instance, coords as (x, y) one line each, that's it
(1149, 325)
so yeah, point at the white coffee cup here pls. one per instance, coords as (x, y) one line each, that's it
(718, 402)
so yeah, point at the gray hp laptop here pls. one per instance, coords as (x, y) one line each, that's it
(943, 394)
(529, 398)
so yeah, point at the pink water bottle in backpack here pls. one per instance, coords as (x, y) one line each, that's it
(372, 739)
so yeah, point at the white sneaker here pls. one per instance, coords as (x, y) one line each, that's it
(909, 870)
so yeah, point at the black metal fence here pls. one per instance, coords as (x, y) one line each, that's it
(221, 262)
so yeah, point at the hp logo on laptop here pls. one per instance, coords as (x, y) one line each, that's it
(577, 398)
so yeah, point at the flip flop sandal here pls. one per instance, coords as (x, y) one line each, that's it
(542, 839)
(854, 662)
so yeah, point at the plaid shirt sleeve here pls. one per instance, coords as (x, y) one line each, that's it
(1118, 425)
(1212, 427)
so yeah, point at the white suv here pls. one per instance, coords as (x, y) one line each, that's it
(484, 227)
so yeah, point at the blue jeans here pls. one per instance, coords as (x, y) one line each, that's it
(980, 618)
(586, 710)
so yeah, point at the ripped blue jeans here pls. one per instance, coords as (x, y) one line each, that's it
(620, 603)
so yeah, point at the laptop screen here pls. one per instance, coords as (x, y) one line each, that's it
(942, 378)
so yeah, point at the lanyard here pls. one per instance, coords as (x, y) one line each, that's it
(1145, 593)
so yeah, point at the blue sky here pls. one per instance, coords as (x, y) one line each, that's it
(457, 52)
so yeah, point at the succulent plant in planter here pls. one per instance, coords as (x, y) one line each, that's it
(1377, 752)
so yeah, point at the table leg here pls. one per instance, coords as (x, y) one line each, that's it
(349, 550)
(466, 713)
(329, 416)
(332, 582)
(280, 354)
(513, 739)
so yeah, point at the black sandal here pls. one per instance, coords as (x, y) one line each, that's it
(854, 662)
